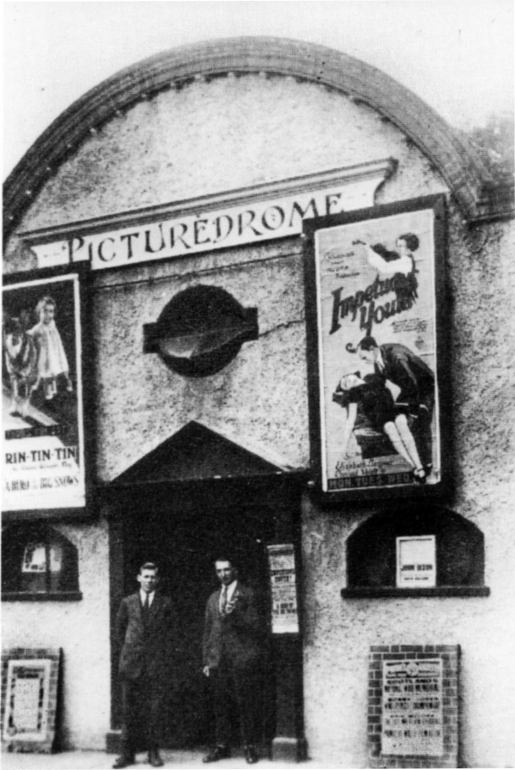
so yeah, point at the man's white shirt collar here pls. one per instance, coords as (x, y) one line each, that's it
(143, 594)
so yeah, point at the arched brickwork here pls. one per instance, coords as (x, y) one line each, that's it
(451, 154)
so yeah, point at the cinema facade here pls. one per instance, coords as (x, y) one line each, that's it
(217, 228)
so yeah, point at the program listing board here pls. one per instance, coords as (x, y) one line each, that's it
(412, 708)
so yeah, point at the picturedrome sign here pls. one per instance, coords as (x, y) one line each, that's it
(248, 216)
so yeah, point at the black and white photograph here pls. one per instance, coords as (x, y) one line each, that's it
(257, 384)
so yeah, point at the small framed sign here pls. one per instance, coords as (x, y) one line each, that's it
(413, 705)
(413, 723)
(374, 300)
(283, 583)
(416, 562)
(30, 705)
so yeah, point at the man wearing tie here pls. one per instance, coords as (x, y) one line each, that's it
(232, 652)
(145, 625)
(416, 383)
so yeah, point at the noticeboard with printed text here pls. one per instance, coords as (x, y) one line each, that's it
(374, 297)
(283, 585)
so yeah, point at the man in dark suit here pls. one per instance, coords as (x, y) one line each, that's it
(145, 626)
(232, 653)
(416, 381)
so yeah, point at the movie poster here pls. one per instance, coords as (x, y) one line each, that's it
(42, 396)
(376, 329)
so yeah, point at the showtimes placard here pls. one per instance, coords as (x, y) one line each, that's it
(281, 561)
(413, 705)
(416, 561)
(29, 699)
(412, 708)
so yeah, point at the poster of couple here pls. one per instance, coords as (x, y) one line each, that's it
(372, 280)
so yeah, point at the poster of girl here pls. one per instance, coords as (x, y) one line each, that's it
(44, 430)
(52, 362)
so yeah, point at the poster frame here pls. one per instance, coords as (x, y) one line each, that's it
(443, 487)
(48, 660)
(82, 271)
(275, 550)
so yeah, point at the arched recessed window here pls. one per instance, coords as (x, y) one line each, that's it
(459, 554)
(38, 563)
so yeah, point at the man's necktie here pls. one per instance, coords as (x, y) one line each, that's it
(223, 600)
(146, 610)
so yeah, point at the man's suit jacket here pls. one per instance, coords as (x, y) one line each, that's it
(410, 373)
(237, 636)
(147, 649)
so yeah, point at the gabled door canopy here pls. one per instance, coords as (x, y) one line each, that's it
(197, 453)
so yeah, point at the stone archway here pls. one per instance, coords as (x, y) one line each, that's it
(451, 154)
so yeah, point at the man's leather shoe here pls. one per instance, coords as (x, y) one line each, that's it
(250, 755)
(155, 760)
(219, 752)
(124, 761)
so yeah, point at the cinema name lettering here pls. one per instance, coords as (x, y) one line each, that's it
(192, 234)
(258, 214)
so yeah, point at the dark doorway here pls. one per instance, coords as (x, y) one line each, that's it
(184, 539)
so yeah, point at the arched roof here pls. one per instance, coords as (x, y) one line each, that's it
(448, 151)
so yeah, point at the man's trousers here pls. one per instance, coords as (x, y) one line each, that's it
(142, 713)
(241, 686)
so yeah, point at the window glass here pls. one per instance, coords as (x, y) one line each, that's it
(36, 559)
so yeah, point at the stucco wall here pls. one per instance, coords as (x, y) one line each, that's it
(211, 137)
(229, 133)
(246, 400)
(81, 629)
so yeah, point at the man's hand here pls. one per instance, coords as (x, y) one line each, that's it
(205, 670)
